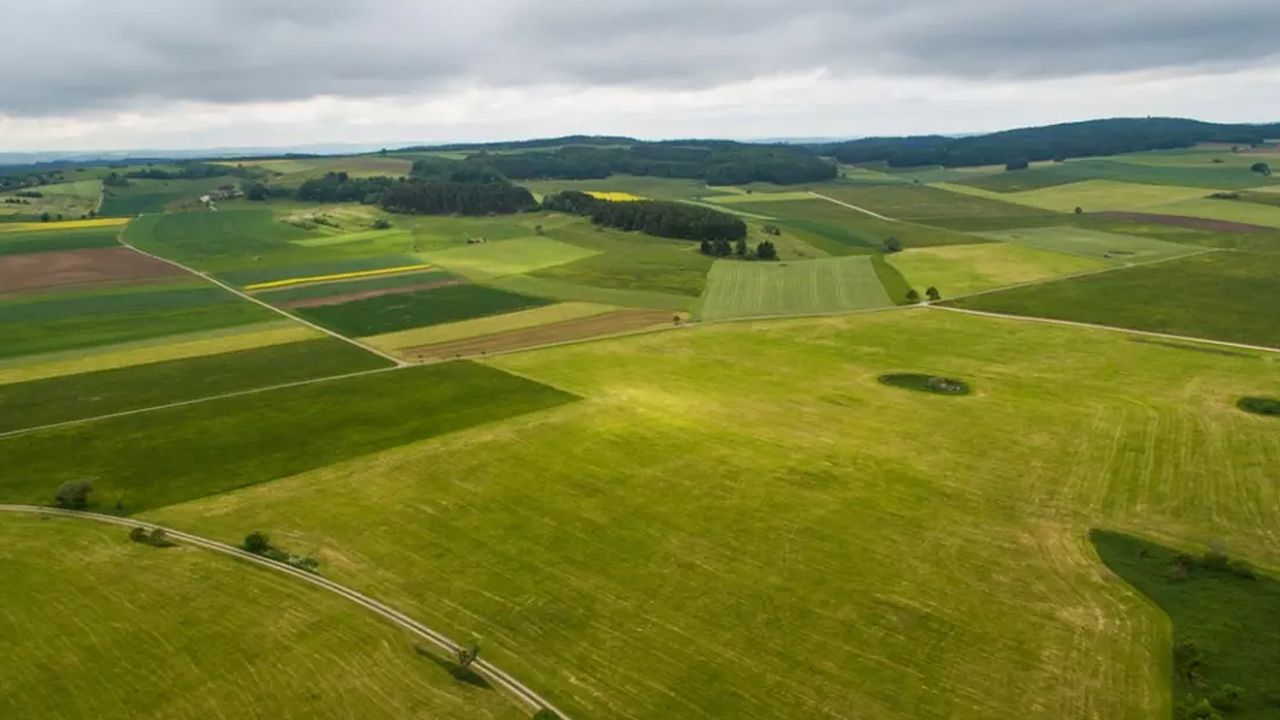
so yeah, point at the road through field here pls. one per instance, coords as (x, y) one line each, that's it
(268, 306)
(862, 210)
(1093, 326)
(494, 674)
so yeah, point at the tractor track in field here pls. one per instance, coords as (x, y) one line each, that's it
(491, 672)
(256, 301)
(851, 206)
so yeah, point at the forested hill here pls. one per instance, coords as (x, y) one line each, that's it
(1067, 140)
(718, 162)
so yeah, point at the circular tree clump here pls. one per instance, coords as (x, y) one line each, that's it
(1260, 406)
(926, 383)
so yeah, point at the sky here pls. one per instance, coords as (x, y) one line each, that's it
(168, 74)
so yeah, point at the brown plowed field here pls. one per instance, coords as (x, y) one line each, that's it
(1186, 222)
(77, 267)
(348, 297)
(557, 332)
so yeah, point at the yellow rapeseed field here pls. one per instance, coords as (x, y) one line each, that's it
(614, 196)
(335, 276)
(62, 225)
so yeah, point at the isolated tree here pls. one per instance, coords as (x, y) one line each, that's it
(704, 247)
(537, 230)
(138, 534)
(158, 537)
(1079, 210)
(913, 296)
(740, 247)
(891, 245)
(467, 654)
(385, 224)
(933, 294)
(766, 251)
(257, 542)
(45, 217)
(1019, 164)
(771, 229)
(1261, 168)
(74, 494)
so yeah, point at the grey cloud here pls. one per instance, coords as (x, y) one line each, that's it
(67, 56)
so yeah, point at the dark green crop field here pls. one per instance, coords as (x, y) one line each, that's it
(69, 397)
(1216, 177)
(327, 289)
(1218, 295)
(88, 320)
(389, 313)
(1226, 625)
(167, 456)
(51, 240)
(155, 196)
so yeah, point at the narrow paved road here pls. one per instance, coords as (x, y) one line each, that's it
(495, 675)
(252, 299)
(862, 210)
(1112, 328)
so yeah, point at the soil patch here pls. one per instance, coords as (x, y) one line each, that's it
(563, 331)
(77, 267)
(1186, 222)
(348, 297)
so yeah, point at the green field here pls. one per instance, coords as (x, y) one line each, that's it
(1226, 612)
(839, 230)
(67, 200)
(566, 291)
(730, 503)
(153, 350)
(924, 203)
(1218, 295)
(42, 402)
(1231, 211)
(750, 289)
(508, 257)
(165, 456)
(49, 241)
(1184, 170)
(963, 269)
(310, 291)
(113, 630)
(83, 320)
(401, 311)
(1091, 195)
(157, 196)
(652, 188)
(490, 325)
(319, 269)
(1094, 244)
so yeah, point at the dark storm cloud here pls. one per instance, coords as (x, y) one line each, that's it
(64, 56)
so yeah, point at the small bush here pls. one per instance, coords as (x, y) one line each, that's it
(1260, 405)
(1243, 570)
(1215, 561)
(74, 494)
(257, 543)
(138, 534)
(385, 224)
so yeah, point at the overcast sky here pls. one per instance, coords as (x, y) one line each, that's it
(87, 74)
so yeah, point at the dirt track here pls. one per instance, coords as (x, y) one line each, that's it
(557, 332)
(31, 271)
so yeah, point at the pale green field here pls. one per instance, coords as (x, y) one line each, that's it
(172, 347)
(100, 627)
(1232, 211)
(506, 257)
(962, 269)
(739, 521)
(1090, 195)
(70, 199)
(760, 197)
(1095, 243)
(400, 237)
(493, 324)
(651, 188)
(749, 289)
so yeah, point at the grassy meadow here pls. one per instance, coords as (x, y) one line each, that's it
(788, 537)
(113, 630)
(750, 289)
(1094, 244)
(964, 269)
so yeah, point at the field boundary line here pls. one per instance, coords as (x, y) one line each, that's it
(197, 401)
(1113, 328)
(851, 206)
(256, 301)
(524, 693)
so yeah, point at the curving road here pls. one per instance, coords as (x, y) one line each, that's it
(495, 675)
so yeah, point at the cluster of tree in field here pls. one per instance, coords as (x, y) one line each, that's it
(715, 162)
(654, 217)
(1053, 142)
(434, 194)
(764, 250)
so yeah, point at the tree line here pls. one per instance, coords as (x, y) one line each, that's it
(654, 217)
(714, 162)
(1052, 142)
(434, 195)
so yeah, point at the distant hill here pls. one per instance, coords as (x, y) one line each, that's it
(1051, 142)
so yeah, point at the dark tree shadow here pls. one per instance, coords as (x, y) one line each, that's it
(459, 673)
